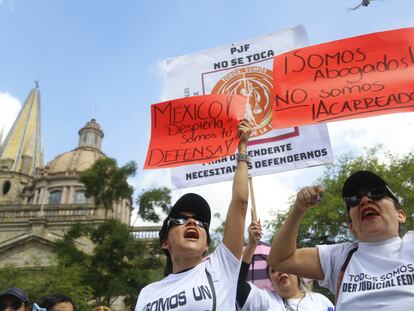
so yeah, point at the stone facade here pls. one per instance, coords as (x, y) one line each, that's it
(39, 203)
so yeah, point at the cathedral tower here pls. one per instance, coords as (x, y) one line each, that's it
(20, 153)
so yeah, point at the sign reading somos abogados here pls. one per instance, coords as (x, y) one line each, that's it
(196, 129)
(351, 78)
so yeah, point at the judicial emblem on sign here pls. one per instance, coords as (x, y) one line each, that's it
(255, 83)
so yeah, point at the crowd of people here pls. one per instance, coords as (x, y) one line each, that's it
(374, 273)
(16, 299)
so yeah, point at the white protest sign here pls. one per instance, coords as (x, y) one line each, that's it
(246, 68)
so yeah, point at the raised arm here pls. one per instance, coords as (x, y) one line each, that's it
(255, 234)
(236, 214)
(284, 256)
(243, 287)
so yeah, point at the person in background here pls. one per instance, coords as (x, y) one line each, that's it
(56, 302)
(289, 291)
(194, 284)
(14, 299)
(375, 273)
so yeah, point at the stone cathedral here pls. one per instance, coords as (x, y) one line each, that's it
(39, 202)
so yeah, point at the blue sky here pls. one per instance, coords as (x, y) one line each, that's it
(102, 59)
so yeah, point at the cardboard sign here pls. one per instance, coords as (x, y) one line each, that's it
(357, 77)
(195, 129)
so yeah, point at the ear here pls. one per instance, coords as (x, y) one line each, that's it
(351, 227)
(165, 245)
(401, 216)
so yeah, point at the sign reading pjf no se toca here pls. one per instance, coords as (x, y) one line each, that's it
(351, 78)
(196, 129)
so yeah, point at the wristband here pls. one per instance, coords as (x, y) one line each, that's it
(242, 157)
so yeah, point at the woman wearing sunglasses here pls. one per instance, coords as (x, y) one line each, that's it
(377, 273)
(192, 283)
(289, 292)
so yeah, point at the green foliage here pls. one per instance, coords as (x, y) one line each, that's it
(327, 223)
(216, 234)
(106, 183)
(51, 280)
(150, 200)
(119, 264)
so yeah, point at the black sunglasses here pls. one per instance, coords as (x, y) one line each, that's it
(374, 194)
(14, 305)
(183, 219)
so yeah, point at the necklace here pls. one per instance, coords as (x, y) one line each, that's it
(288, 307)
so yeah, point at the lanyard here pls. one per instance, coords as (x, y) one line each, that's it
(287, 305)
(213, 291)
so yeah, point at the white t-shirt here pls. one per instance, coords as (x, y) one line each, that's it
(379, 276)
(267, 300)
(191, 291)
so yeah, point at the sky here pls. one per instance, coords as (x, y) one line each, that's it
(103, 59)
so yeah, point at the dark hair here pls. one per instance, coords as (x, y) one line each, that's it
(169, 265)
(50, 301)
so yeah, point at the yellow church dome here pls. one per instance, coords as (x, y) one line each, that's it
(77, 160)
(84, 156)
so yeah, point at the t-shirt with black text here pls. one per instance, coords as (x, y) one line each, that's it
(267, 300)
(191, 290)
(379, 276)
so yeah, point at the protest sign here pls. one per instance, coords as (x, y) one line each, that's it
(245, 68)
(351, 78)
(195, 129)
(287, 153)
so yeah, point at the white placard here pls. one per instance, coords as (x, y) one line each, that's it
(246, 68)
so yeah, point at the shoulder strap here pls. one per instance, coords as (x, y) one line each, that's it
(213, 291)
(342, 271)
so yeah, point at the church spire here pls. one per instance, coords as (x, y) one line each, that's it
(21, 151)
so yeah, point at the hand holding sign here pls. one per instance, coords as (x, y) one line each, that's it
(244, 131)
(191, 130)
(351, 78)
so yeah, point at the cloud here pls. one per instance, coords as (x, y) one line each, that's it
(7, 4)
(9, 107)
(392, 131)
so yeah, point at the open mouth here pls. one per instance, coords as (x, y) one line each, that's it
(191, 233)
(368, 213)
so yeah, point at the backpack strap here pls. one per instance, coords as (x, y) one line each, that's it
(342, 272)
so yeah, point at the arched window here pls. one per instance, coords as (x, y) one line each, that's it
(6, 187)
(80, 197)
(55, 197)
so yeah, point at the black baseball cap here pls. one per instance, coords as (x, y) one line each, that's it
(189, 202)
(364, 180)
(15, 292)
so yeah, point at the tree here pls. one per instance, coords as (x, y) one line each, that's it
(327, 223)
(41, 281)
(118, 264)
(107, 183)
(151, 200)
(217, 234)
